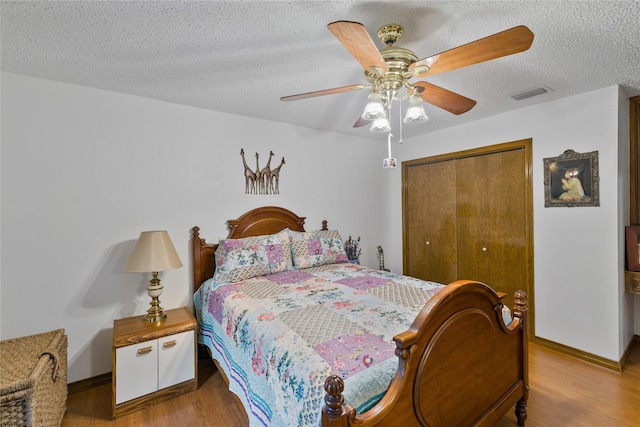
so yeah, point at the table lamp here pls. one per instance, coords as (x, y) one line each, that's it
(152, 253)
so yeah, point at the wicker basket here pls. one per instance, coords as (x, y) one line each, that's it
(33, 380)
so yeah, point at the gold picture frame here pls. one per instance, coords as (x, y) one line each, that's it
(571, 180)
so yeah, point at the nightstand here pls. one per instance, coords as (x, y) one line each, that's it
(152, 362)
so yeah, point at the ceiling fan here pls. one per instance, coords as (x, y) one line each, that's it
(391, 69)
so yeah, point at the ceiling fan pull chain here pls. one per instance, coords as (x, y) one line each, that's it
(389, 162)
(400, 119)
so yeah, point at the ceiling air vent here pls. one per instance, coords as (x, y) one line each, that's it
(528, 94)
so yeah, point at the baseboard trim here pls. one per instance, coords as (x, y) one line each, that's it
(635, 341)
(586, 356)
(89, 383)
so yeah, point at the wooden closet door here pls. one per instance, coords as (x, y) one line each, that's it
(472, 233)
(492, 220)
(491, 208)
(429, 222)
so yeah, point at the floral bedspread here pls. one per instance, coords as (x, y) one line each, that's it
(278, 337)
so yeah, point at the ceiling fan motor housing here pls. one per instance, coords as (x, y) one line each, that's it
(388, 34)
(397, 59)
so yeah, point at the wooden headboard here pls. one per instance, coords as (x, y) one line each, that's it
(256, 222)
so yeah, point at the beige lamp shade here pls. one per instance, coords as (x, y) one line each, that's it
(153, 252)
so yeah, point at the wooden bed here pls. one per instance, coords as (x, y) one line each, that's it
(459, 365)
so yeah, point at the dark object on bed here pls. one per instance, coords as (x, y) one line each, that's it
(458, 363)
(381, 259)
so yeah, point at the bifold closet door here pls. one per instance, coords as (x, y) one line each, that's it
(430, 222)
(491, 226)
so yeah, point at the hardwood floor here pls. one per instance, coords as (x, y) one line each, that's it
(564, 392)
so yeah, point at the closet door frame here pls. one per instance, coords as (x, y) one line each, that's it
(524, 144)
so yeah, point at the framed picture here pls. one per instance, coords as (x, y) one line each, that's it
(633, 248)
(571, 179)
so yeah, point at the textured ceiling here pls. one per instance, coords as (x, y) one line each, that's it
(240, 57)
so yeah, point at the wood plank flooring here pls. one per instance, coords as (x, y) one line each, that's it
(564, 392)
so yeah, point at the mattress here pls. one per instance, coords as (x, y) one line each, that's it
(277, 337)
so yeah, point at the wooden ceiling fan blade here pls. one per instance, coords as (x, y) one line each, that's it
(360, 122)
(514, 40)
(323, 92)
(356, 40)
(445, 99)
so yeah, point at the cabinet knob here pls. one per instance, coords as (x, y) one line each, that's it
(144, 350)
(169, 344)
(428, 242)
(484, 249)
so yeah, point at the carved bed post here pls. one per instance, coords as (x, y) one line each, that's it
(334, 413)
(520, 303)
(195, 253)
(521, 412)
(520, 311)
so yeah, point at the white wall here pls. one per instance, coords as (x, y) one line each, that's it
(578, 274)
(84, 171)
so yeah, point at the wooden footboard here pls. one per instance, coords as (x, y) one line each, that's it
(459, 365)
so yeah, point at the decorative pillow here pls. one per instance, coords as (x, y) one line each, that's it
(314, 248)
(241, 259)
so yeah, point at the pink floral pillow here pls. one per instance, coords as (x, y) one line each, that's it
(315, 248)
(241, 259)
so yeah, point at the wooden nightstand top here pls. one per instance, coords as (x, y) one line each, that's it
(134, 330)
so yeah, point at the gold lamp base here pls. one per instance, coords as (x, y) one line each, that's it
(152, 317)
(155, 314)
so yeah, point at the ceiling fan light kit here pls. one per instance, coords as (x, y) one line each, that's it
(380, 125)
(374, 108)
(415, 112)
(390, 70)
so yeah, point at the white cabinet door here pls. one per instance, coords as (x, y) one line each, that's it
(136, 370)
(176, 359)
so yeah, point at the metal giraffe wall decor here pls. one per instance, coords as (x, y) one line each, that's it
(263, 180)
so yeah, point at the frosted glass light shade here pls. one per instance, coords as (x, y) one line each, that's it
(374, 108)
(415, 112)
(380, 125)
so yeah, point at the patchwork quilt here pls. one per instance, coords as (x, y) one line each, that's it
(278, 336)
